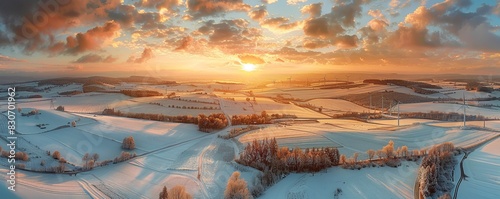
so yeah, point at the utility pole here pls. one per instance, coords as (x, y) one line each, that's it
(398, 113)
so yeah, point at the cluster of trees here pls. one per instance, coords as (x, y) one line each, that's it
(178, 192)
(435, 173)
(140, 93)
(152, 116)
(266, 156)
(212, 122)
(128, 143)
(236, 187)
(263, 118)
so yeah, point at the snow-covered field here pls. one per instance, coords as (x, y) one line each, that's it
(337, 106)
(482, 168)
(383, 182)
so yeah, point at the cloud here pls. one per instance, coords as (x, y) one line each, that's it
(4, 58)
(93, 39)
(456, 28)
(159, 4)
(230, 35)
(185, 43)
(203, 8)
(146, 55)
(32, 24)
(268, 1)
(314, 10)
(250, 59)
(279, 24)
(94, 58)
(258, 13)
(294, 2)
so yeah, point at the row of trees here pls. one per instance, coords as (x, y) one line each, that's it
(205, 123)
(263, 118)
(435, 174)
(140, 93)
(152, 116)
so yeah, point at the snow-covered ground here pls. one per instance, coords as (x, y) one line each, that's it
(482, 168)
(383, 182)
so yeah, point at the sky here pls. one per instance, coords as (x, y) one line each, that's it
(241, 38)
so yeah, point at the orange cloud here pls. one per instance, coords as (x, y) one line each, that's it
(250, 59)
(314, 10)
(93, 39)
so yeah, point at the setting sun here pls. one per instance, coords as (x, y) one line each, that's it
(248, 67)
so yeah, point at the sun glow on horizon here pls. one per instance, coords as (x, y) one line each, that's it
(248, 67)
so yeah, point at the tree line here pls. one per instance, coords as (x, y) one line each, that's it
(140, 93)
(214, 121)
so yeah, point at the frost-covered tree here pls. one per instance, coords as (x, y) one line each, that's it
(128, 143)
(389, 149)
(342, 159)
(404, 151)
(370, 153)
(56, 155)
(236, 188)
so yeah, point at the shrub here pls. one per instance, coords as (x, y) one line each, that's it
(128, 143)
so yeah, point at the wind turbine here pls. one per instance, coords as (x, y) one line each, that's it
(397, 104)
